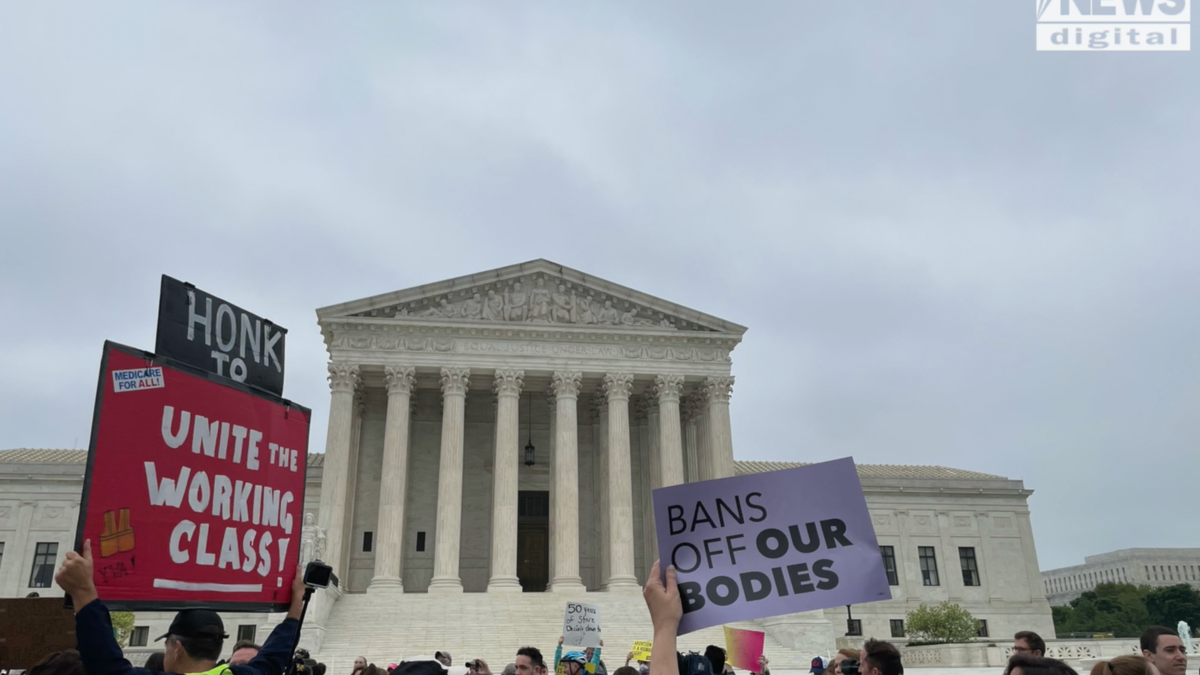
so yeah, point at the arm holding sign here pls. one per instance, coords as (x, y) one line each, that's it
(276, 653)
(666, 610)
(98, 648)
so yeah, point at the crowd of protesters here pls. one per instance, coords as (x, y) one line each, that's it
(194, 642)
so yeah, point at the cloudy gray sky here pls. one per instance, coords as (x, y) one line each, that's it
(949, 248)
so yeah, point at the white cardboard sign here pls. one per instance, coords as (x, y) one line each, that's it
(581, 625)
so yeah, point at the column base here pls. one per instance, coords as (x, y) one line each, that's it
(504, 585)
(622, 584)
(386, 585)
(445, 586)
(568, 585)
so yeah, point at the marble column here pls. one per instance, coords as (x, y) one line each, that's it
(450, 473)
(389, 535)
(640, 414)
(348, 540)
(652, 421)
(720, 436)
(343, 380)
(670, 444)
(620, 484)
(566, 495)
(553, 477)
(703, 433)
(599, 481)
(504, 490)
(689, 411)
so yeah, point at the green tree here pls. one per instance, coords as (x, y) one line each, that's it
(122, 626)
(1119, 609)
(1172, 604)
(944, 622)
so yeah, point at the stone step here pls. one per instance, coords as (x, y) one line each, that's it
(492, 626)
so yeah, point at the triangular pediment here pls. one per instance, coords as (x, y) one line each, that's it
(540, 292)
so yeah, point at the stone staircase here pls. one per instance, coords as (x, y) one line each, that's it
(387, 628)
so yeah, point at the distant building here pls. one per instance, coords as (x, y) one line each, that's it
(1155, 567)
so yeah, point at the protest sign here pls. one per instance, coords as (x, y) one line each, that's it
(194, 488)
(581, 625)
(207, 332)
(743, 648)
(772, 543)
(641, 650)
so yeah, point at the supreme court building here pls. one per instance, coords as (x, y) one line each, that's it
(492, 443)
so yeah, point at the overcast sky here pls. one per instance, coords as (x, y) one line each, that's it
(949, 248)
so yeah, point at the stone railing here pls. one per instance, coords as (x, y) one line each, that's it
(987, 653)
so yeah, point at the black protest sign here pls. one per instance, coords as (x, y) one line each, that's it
(207, 332)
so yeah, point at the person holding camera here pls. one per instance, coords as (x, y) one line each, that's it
(194, 640)
(847, 656)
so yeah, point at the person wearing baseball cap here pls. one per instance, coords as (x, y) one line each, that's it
(193, 642)
(819, 664)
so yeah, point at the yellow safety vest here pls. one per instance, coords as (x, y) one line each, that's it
(219, 670)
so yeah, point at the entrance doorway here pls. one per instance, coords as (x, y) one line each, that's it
(533, 540)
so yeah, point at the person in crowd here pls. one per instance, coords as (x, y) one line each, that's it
(243, 652)
(420, 665)
(1029, 643)
(764, 670)
(716, 657)
(625, 670)
(835, 664)
(529, 662)
(879, 658)
(592, 663)
(66, 662)
(154, 662)
(372, 669)
(510, 669)
(1163, 648)
(444, 658)
(1024, 664)
(319, 669)
(360, 663)
(574, 662)
(193, 642)
(1130, 664)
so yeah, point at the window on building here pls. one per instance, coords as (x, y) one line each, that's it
(970, 569)
(897, 628)
(420, 542)
(853, 627)
(889, 565)
(246, 632)
(929, 571)
(983, 629)
(140, 637)
(42, 574)
(367, 541)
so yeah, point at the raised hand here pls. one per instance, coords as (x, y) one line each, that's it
(663, 599)
(76, 576)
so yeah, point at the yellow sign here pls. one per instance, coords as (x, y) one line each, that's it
(641, 650)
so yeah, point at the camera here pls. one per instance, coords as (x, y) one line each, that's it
(849, 667)
(317, 574)
(303, 660)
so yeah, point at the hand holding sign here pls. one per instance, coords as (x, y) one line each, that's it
(75, 576)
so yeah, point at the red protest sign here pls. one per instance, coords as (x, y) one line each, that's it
(194, 488)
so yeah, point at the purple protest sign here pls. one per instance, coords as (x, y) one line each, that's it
(767, 544)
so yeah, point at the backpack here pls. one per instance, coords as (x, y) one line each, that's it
(695, 664)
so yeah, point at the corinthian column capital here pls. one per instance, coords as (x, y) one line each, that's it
(719, 388)
(617, 386)
(509, 382)
(455, 381)
(566, 384)
(551, 398)
(668, 388)
(399, 380)
(343, 377)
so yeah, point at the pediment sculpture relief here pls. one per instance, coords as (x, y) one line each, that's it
(539, 302)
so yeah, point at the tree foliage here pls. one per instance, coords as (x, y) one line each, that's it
(1172, 604)
(1120, 609)
(122, 626)
(943, 622)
